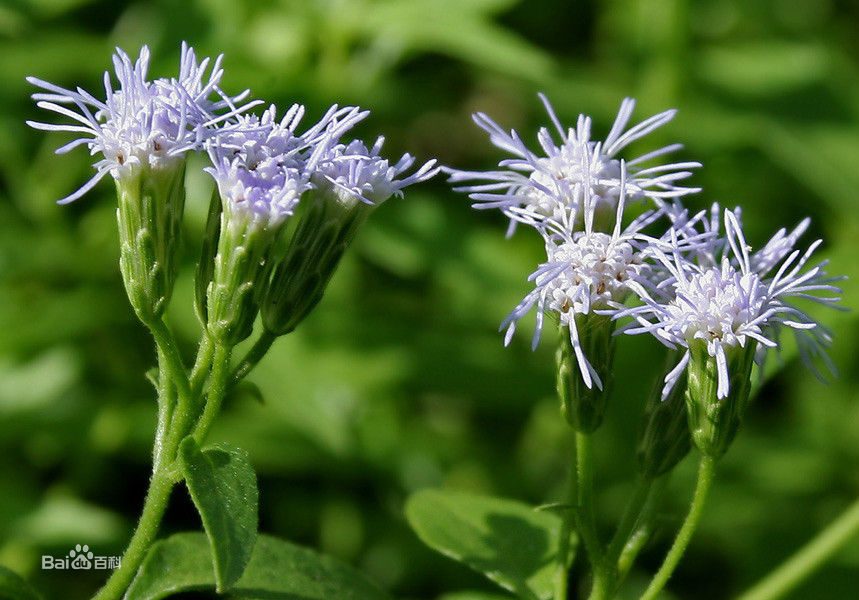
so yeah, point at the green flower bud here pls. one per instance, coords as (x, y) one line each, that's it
(151, 203)
(240, 273)
(714, 420)
(583, 407)
(663, 439)
(325, 230)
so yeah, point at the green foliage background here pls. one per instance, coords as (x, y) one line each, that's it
(399, 380)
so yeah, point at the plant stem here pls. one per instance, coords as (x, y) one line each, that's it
(562, 568)
(165, 407)
(586, 519)
(631, 516)
(153, 510)
(202, 364)
(168, 434)
(639, 536)
(706, 470)
(173, 366)
(218, 382)
(257, 351)
(808, 558)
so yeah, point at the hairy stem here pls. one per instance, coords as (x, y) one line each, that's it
(147, 527)
(706, 470)
(202, 366)
(808, 558)
(218, 383)
(631, 516)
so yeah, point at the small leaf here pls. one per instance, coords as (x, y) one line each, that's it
(277, 570)
(13, 586)
(223, 487)
(509, 542)
(152, 377)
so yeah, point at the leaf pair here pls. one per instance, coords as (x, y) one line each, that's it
(509, 542)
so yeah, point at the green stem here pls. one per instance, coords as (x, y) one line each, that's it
(630, 551)
(218, 383)
(257, 351)
(586, 518)
(639, 536)
(153, 510)
(706, 470)
(202, 366)
(165, 407)
(173, 366)
(562, 568)
(631, 516)
(808, 559)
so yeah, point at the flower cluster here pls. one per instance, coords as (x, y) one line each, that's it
(675, 275)
(141, 124)
(263, 167)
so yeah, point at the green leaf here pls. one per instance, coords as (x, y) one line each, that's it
(223, 487)
(13, 586)
(509, 542)
(277, 570)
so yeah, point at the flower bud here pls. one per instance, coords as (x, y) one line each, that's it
(583, 407)
(240, 273)
(325, 230)
(663, 439)
(150, 208)
(350, 181)
(715, 414)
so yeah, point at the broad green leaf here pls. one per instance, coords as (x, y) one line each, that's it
(277, 570)
(13, 586)
(223, 487)
(508, 541)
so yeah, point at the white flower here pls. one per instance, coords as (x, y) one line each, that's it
(729, 301)
(591, 272)
(554, 185)
(262, 166)
(353, 173)
(141, 124)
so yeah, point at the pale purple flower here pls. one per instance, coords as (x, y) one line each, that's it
(731, 298)
(352, 173)
(142, 123)
(553, 185)
(262, 166)
(589, 271)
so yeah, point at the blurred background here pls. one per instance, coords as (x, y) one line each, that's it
(399, 380)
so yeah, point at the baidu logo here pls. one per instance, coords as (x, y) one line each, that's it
(80, 558)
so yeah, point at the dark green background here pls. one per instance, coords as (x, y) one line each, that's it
(399, 381)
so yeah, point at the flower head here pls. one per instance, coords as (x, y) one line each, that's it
(554, 185)
(262, 165)
(352, 173)
(729, 300)
(590, 272)
(141, 124)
